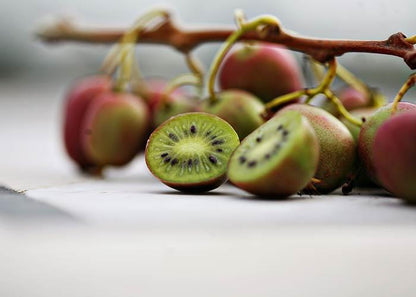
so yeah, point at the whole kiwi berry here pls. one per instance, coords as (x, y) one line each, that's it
(278, 159)
(394, 154)
(77, 102)
(189, 152)
(368, 133)
(337, 148)
(267, 71)
(240, 109)
(114, 128)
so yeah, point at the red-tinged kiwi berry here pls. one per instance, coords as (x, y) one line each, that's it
(267, 71)
(189, 152)
(394, 154)
(240, 109)
(78, 100)
(278, 159)
(368, 133)
(114, 128)
(337, 148)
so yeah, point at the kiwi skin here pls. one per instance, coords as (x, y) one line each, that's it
(114, 128)
(239, 108)
(368, 133)
(197, 187)
(267, 71)
(394, 152)
(78, 99)
(294, 172)
(337, 148)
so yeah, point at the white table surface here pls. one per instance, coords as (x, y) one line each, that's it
(129, 235)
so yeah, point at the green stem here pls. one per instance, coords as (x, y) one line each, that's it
(245, 27)
(410, 82)
(325, 83)
(188, 79)
(122, 54)
(338, 104)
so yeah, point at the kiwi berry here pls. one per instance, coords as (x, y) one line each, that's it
(277, 159)
(394, 152)
(114, 128)
(239, 108)
(189, 152)
(267, 71)
(368, 133)
(337, 148)
(78, 99)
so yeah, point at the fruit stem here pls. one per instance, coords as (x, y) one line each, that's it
(261, 22)
(410, 82)
(341, 109)
(198, 70)
(122, 54)
(325, 83)
(188, 79)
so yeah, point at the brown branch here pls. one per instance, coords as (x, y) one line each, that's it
(184, 40)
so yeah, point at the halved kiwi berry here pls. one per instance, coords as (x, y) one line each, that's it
(279, 158)
(190, 152)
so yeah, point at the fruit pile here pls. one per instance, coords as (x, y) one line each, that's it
(288, 145)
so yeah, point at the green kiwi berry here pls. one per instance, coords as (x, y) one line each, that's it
(279, 158)
(189, 152)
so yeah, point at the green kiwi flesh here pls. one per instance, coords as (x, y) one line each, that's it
(189, 152)
(277, 159)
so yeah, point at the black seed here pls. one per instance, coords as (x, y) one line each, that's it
(193, 129)
(258, 139)
(267, 156)
(252, 163)
(164, 155)
(213, 137)
(217, 142)
(219, 150)
(212, 159)
(242, 159)
(285, 132)
(174, 162)
(167, 160)
(173, 137)
(208, 133)
(279, 128)
(190, 163)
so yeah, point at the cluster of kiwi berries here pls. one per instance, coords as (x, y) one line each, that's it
(194, 145)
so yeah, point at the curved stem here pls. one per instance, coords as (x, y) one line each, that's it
(245, 27)
(325, 83)
(188, 79)
(340, 107)
(410, 82)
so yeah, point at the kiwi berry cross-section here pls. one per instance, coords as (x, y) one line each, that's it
(190, 152)
(279, 158)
